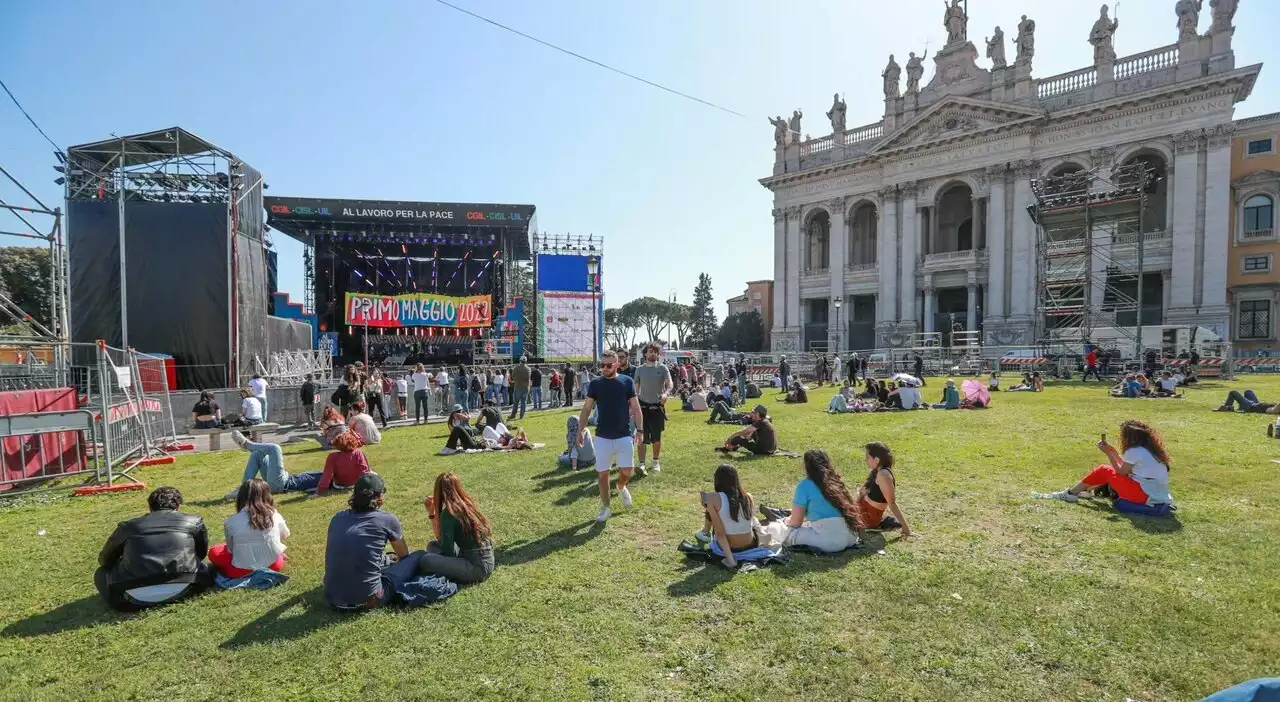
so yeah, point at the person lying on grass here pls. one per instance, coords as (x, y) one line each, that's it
(267, 460)
(255, 534)
(729, 515)
(343, 466)
(577, 456)
(155, 559)
(1137, 473)
(757, 437)
(361, 422)
(721, 411)
(462, 550)
(879, 492)
(499, 437)
(358, 574)
(1248, 402)
(823, 515)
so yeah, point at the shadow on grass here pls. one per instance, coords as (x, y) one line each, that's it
(703, 577)
(272, 626)
(1142, 522)
(584, 483)
(82, 613)
(568, 538)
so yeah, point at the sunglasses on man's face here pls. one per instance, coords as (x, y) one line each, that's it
(607, 366)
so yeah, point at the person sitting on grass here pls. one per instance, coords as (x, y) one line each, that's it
(870, 390)
(1138, 478)
(1127, 387)
(206, 414)
(729, 515)
(950, 396)
(155, 559)
(489, 416)
(361, 423)
(575, 456)
(332, 425)
(1026, 385)
(879, 492)
(463, 548)
(797, 394)
(358, 574)
(823, 515)
(697, 402)
(461, 436)
(993, 383)
(255, 534)
(343, 466)
(758, 437)
(1248, 402)
(250, 408)
(1166, 386)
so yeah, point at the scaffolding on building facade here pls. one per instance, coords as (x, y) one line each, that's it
(1090, 255)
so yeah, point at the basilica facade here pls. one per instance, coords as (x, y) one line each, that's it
(919, 222)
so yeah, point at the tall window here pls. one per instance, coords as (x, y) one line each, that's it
(819, 244)
(1257, 216)
(1255, 319)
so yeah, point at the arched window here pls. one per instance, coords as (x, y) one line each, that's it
(955, 220)
(818, 244)
(1067, 178)
(1157, 191)
(862, 235)
(1258, 216)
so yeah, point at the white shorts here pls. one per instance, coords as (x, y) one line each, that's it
(610, 450)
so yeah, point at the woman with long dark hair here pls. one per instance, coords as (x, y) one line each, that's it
(206, 413)
(1139, 476)
(255, 534)
(823, 515)
(463, 548)
(879, 492)
(728, 515)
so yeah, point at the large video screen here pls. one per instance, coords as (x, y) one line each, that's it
(567, 324)
(567, 272)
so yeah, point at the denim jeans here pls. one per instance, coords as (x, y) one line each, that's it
(519, 400)
(304, 482)
(473, 401)
(462, 567)
(267, 460)
(536, 396)
(263, 400)
(742, 387)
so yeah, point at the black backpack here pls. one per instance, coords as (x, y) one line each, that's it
(475, 384)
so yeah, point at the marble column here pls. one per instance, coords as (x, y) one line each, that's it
(930, 304)
(975, 219)
(791, 313)
(839, 240)
(887, 256)
(1022, 284)
(996, 245)
(780, 271)
(910, 243)
(1184, 195)
(1217, 215)
(971, 317)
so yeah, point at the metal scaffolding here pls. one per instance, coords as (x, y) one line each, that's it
(1089, 254)
(54, 335)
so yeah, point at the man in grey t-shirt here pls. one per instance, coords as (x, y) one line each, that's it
(653, 385)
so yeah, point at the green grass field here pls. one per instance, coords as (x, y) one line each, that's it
(1000, 597)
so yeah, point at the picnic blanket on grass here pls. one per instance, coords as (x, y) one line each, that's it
(758, 556)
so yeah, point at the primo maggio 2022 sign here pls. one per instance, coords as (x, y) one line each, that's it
(418, 310)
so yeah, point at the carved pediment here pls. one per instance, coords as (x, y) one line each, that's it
(1264, 177)
(957, 117)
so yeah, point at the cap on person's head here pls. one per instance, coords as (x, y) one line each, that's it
(371, 483)
(951, 383)
(456, 408)
(761, 411)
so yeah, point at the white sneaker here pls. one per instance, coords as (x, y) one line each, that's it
(657, 467)
(1064, 495)
(239, 438)
(641, 469)
(446, 451)
(703, 537)
(625, 494)
(604, 515)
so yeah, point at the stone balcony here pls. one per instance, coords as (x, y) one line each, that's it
(968, 259)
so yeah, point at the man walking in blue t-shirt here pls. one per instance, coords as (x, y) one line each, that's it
(615, 397)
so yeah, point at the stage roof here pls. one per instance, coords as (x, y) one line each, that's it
(296, 216)
(145, 147)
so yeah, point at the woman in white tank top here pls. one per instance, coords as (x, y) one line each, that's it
(729, 515)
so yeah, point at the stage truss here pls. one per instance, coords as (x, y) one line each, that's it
(49, 230)
(1090, 251)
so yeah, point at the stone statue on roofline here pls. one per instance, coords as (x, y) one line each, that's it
(836, 114)
(1104, 51)
(1026, 40)
(956, 21)
(995, 49)
(892, 74)
(1188, 12)
(779, 132)
(794, 126)
(1223, 12)
(915, 71)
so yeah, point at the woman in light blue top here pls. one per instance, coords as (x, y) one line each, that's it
(823, 515)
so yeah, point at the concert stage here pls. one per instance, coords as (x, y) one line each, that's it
(417, 279)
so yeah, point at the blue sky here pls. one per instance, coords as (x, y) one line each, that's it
(410, 100)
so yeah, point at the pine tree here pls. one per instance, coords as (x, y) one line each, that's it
(703, 329)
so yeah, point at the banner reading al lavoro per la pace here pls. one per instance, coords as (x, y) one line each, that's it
(418, 310)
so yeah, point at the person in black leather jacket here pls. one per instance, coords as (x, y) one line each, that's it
(154, 559)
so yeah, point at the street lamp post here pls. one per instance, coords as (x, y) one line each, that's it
(593, 272)
(839, 302)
